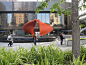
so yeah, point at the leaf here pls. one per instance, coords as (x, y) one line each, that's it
(84, 6)
(55, 15)
(62, 1)
(55, 6)
(82, 60)
(47, 0)
(84, 0)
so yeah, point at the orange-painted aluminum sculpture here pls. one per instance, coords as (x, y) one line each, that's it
(44, 28)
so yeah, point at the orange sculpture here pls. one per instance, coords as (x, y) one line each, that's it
(44, 28)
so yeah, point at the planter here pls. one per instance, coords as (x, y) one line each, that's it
(83, 41)
(69, 43)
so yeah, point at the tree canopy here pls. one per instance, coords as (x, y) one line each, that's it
(57, 7)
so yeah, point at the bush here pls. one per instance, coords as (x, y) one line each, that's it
(82, 51)
(68, 55)
(77, 61)
(48, 54)
(11, 57)
(40, 56)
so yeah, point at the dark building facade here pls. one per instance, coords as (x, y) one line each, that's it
(18, 15)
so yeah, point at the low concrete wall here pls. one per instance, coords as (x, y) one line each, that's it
(69, 43)
(28, 39)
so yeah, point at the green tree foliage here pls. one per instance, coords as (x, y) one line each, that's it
(56, 7)
(82, 25)
(82, 4)
(42, 6)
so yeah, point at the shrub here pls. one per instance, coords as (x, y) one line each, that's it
(40, 56)
(82, 51)
(77, 61)
(68, 55)
(48, 54)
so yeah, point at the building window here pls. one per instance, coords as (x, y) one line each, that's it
(48, 18)
(39, 16)
(44, 17)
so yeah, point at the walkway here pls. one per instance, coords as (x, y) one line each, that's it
(28, 45)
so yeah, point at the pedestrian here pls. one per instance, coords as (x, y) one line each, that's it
(10, 39)
(34, 38)
(61, 38)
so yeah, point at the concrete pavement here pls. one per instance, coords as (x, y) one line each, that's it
(28, 45)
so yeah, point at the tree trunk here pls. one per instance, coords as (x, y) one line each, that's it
(75, 30)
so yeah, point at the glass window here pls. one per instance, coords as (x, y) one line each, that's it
(43, 17)
(15, 19)
(39, 16)
(48, 18)
(9, 18)
(7, 6)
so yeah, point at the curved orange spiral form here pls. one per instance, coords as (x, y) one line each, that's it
(44, 28)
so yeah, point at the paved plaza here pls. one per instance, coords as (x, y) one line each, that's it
(28, 45)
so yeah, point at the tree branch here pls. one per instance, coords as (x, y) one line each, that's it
(80, 16)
